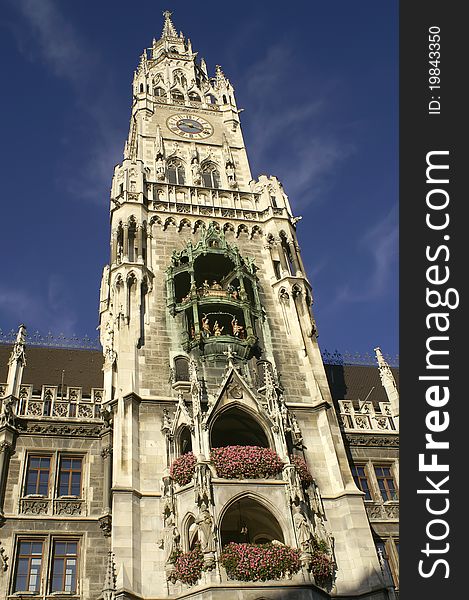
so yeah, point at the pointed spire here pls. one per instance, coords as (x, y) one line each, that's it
(16, 363)
(168, 28)
(389, 383)
(110, 578)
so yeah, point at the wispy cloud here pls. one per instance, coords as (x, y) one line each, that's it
(50, 38)
(285, 126)
(380, 244)
(47, 309)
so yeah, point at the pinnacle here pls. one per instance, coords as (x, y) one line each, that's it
(168, 28)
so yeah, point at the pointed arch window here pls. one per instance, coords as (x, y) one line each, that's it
(175, 172)
(177, 96)
(211, 176)
(194, 97)
(159, 92)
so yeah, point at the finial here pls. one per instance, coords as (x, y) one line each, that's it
(168, 28)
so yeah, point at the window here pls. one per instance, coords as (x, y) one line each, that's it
(54, 556)
(159, 92)
(64, 566)
(211, 176)
(361, 480)
(386, 483)
(175, 172)
(70, 476)
(37, 476)
(28, 567)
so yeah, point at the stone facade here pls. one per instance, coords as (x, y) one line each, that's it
(209, 343)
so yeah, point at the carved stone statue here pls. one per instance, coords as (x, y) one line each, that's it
(205, 530)
(196, 172)
(171, 538)
(302, 528)
(160, 168)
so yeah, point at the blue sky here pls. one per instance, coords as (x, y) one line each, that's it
(319, 85)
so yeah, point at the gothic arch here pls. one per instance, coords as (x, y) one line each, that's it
(183, 439)
(228, 227)
(262, 520)
(199, 224)
(189, 532)
(169, 221)
(242, 229)
(210, 174)
(256, 231)
(236, 424)
(184, 223)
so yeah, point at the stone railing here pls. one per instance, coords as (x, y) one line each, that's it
(51, 402)
(218, 202)
(366, 417)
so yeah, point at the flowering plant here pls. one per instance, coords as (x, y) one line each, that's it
(182, 469)
(322, 565)
(245, 462)
(188, 566)
(303, 470)
(259, 562)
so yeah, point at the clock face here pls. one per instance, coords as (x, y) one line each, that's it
(191, 127)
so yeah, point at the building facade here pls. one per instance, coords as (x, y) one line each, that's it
(211, 461)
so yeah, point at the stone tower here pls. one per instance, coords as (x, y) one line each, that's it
(223, 429)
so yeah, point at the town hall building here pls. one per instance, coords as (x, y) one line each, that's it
(208, 451)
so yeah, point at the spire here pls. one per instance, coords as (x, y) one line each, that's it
(168, 28)
(16, 363)
(389, 383)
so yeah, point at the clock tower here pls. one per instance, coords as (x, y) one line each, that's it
(225, 444)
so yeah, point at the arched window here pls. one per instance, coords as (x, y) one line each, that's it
(141, 88)
(248, 521)
(211, 176)
(159, 91)
(193, 97)
(177, 96)
(175, 172)
(181, 368)
(236, 427)
(210, 99)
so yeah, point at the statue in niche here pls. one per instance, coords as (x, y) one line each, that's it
(295, 490)
(205, 529)
(217, 330)
(206, 326)
(237, 328)
(160, 168)
(196, 171)
(302, 529)
(230, 174)
(171, 538)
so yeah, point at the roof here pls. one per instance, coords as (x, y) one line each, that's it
(44, 366)
(357, 382)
